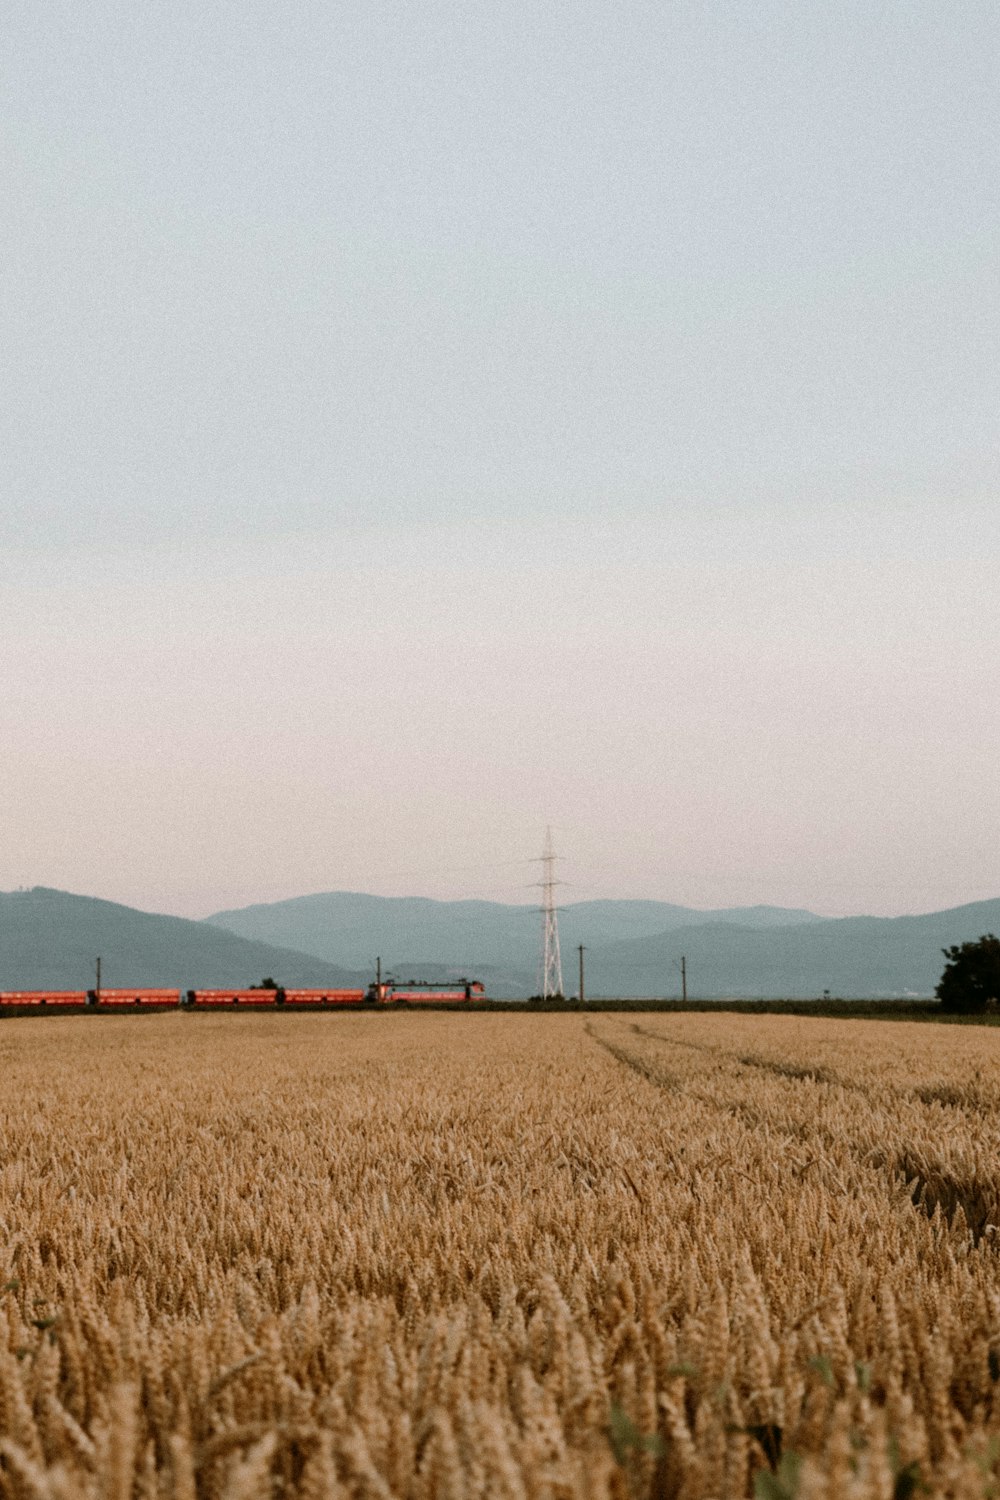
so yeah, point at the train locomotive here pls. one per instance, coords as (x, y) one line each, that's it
(388, 992)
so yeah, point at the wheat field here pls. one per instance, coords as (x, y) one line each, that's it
(444, 1256)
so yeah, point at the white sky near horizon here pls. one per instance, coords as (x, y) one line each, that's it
(420, 425)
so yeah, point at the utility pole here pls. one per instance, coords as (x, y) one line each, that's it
(97, 986)
(684, 978)
(378, 978)
(581, 950)
(551, 965)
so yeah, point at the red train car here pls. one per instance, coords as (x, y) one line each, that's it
(203, 998)
(322, 997)
(44, 998)
(152, 999)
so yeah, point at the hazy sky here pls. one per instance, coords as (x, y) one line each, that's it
(422, 423)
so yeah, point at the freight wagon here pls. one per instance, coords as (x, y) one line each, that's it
(63, 998)
(154, 999)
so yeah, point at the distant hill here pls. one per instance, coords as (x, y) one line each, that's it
(350, 928)
(851, 957)
(49, 939)
(633, 947)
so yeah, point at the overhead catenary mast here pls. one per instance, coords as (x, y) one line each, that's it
(550, 980)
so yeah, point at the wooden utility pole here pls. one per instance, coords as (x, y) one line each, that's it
(581, 950)
(378, 978)
(97, 985)
(684, 978)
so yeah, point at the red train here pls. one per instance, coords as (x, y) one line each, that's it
(387, 993)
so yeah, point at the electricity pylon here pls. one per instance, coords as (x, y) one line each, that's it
(550, 979)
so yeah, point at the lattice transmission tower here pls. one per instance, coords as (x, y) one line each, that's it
(550, 977)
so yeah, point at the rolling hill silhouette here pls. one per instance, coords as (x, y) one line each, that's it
(49, 940)
(633, 947)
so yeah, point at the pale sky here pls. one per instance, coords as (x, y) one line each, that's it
(423, 423)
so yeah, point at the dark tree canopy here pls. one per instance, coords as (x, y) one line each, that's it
(971, 979)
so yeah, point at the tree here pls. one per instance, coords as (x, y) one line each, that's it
(971, 979)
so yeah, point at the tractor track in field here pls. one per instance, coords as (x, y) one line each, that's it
(930, 1186)
(662, 1078)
